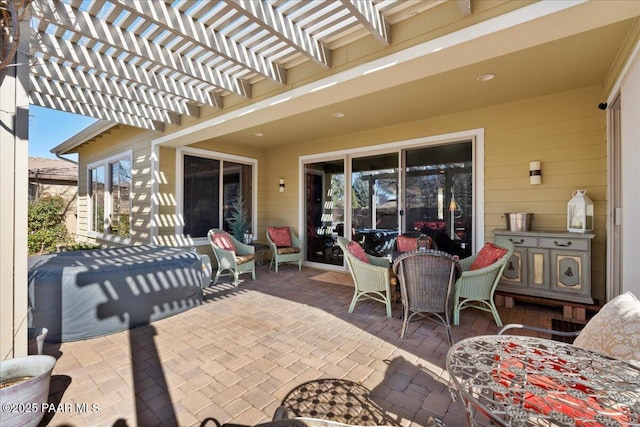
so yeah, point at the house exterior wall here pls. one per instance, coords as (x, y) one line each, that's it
(119, 141)
(564, 131)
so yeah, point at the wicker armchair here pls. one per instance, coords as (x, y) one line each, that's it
(282, 254)
(426, 286)
(475, 288)
(371, 279)
(235, 262)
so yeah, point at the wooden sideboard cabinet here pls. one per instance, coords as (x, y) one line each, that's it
(554, 265)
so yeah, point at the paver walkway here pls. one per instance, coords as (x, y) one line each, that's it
(247, 350)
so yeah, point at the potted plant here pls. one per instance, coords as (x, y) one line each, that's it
(24, 389)
(239, 223)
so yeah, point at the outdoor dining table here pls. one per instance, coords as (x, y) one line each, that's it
(527, 381)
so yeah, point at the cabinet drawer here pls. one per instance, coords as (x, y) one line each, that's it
(564, 243)
(519, 241)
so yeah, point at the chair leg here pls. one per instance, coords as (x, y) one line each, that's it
(276, 262)
(405, 324)
(235, 278)
(299, 265)
(456, 312)
(354, 300)
(215, 279)
(388, 304)
(253, 273)
(496, 315)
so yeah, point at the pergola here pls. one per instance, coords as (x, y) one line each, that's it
(149, 63)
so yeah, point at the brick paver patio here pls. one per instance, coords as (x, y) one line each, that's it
(243, 352)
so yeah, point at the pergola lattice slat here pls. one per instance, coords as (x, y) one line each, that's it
(50, 101)
(286, 30)
(83, 24)
(90, 81)
(81, 56)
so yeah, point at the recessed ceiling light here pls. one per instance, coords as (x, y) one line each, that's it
(486, 77)
(258, 134)
(338, 115)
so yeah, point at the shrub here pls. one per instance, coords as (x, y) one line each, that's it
(46, 224)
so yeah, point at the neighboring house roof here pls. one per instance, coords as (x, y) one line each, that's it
(61, 170)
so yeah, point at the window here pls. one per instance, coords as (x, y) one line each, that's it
(110, 197)
(213, 186)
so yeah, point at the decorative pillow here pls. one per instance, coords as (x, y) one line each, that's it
(357, 251)
(281, 236)
(406, 244)
(223, 241)
(614, 330)
(489, 254)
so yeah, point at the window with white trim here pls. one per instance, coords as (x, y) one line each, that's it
(110, 197)
(213, 188)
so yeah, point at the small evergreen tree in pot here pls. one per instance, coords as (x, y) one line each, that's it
(239, 223)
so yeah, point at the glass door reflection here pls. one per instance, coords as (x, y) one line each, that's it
(324, 209)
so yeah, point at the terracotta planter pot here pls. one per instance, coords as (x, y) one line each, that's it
(21, 404)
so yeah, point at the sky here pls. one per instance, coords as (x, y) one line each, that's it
(49, 128)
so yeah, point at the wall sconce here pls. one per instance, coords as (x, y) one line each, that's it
(281, 184)
(535, 173)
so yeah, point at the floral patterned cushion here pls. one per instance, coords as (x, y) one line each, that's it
(281, 236)
(289, 250)
(488, 255)
(223, 241)
(357, 251)
(615, 329)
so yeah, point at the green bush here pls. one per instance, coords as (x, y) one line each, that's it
(46, 224)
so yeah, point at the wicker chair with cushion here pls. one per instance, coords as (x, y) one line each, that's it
(426, 286)
(285, 246)
(480, 276)
(371, 275)
(232, 255)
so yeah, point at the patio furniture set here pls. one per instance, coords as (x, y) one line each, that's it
(513, 380)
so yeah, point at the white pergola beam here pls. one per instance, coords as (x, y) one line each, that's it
(81, 56)
(287, 31)
(90, 81)
(49, 101)
(97, 99)
(112, 36)
(370, 17)
(197, 33)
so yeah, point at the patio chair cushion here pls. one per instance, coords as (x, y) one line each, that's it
(615, 329)
(357, 251)
(289, 250)
(281, 236)
(488, 255)
(406, 244)
(224, 241)
(242, 259)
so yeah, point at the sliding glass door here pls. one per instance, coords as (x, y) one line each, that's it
(372, 199)
(439, 195)
(374, 204)
(324, 210)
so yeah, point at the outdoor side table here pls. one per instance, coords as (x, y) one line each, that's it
(261, 248)
(526, 381)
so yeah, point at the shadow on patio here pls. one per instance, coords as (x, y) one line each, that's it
(248, 350)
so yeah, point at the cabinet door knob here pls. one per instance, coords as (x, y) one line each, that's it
(563, 245)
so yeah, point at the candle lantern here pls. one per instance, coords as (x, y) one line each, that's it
(580, 212)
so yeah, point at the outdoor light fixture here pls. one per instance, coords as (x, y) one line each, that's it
(535, 173)
(281, 185)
